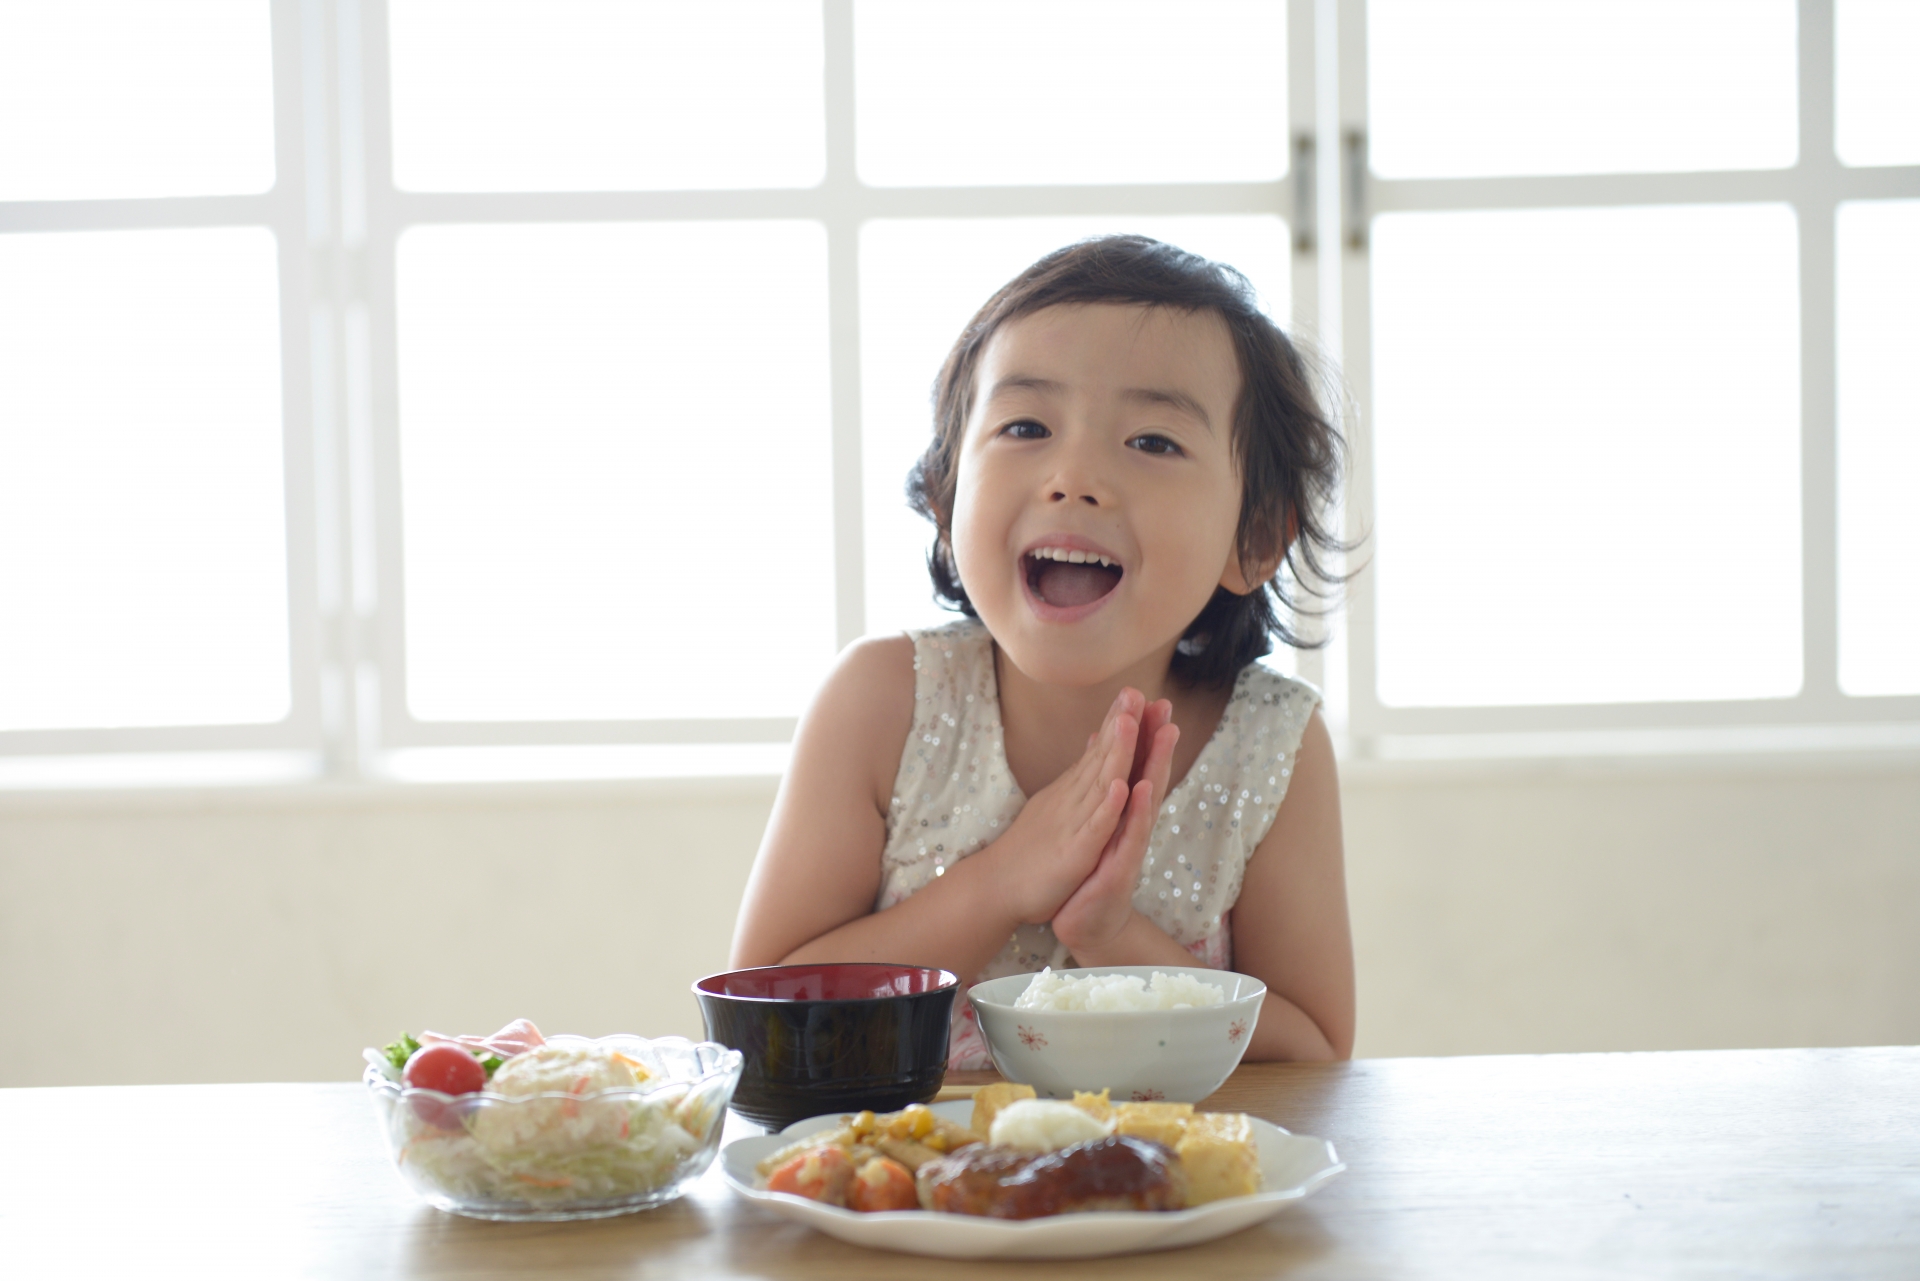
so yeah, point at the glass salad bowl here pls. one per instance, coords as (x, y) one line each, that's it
(561, 1155)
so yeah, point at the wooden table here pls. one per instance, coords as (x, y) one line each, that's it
(1776, 1163)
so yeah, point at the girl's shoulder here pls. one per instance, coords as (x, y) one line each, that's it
(878, 689)
(1268, 712)
(859, 719)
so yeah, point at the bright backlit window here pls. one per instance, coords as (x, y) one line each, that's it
(613, 446)
(110, 99)
(1879, 350)
(144, 570)
(1475, 87)
(997, 92)
(1877, 89)
(605, 95)
(1588, 438)
(384, 383)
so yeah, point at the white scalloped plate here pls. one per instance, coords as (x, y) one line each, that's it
(1292, 1166)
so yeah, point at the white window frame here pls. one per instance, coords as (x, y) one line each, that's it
(286, 212)
(1820, 714)
(337, 217)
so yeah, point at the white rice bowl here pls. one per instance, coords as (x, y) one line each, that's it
(1147, 1033)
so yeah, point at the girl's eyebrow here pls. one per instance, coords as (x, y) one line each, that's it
(1026, 382)
(1171, 398)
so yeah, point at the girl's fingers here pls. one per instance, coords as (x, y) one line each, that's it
(1107, 814)
(1121, 745)
(1155, 715)
(1157, 767)
(1119, 867)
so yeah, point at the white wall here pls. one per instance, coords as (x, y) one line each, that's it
(269, 935)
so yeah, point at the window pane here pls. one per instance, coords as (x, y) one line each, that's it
(920, 282)
(1580, 86)
(1587, 455)
(1879, 368)
(605, 95)
(615, 468)
(1877, 82)
(102, 99)
(1011, 93)
(142, 533)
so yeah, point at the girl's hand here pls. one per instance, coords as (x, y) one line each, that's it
(1061, 835)
(1094, 914)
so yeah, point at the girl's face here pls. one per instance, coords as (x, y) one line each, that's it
(1097, 498)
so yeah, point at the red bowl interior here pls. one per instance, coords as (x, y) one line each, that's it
(827, 982)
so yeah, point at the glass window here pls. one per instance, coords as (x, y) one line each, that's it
(605, 95)
(1011, 93)
(1879, 375)
(105, 99)
(141, 491)
(1586, 432)
(1877, 82)
(615, 465)
(1476, 87)
(920, 282)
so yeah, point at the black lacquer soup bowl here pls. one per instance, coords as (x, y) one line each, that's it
(831, 1038)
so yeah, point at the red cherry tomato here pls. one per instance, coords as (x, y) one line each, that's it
(448, 1069)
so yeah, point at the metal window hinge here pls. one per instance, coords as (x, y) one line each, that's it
(1354, 153)
(1305, 200)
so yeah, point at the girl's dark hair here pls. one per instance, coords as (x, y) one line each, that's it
(1288, 452)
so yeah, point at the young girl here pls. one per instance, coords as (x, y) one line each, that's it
(1089, 768)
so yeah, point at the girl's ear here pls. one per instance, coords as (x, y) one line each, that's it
(1241, 583)
(1237, 580)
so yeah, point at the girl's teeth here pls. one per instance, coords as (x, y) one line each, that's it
(1071, 557)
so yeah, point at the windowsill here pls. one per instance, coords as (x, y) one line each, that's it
(1745, 749)
(299, 778)
(753, 769)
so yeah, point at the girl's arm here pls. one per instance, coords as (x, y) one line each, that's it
(812, 891)
(819, 861)
(1289, 925)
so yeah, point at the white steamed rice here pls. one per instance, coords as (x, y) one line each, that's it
(1110, 992)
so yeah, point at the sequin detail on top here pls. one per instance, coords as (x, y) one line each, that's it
(954, 795)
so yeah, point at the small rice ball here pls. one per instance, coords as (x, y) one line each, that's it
(1044, 1125)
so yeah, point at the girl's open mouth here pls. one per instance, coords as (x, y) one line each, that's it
(1068, 579)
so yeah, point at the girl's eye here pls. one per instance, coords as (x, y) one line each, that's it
(1026, 429)
(1151, 444)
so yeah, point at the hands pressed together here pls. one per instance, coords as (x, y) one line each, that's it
(1072, 855)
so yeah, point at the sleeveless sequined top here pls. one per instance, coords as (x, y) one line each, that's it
(954, 795)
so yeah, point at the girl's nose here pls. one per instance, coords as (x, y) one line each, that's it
(1078, 477)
